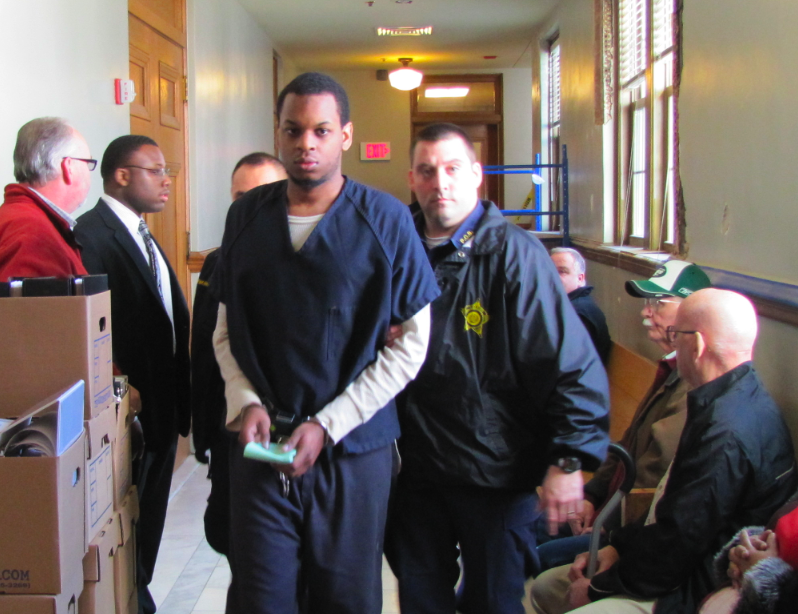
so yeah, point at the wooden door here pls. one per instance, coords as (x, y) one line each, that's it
(157, 38)
(156, 68)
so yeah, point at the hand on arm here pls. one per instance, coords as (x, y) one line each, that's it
(394, 332)
(396, 365)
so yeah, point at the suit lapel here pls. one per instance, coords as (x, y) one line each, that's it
(122, 236)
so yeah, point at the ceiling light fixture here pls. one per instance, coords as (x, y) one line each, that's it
(446, 92)
(405, 31)
(405, 78)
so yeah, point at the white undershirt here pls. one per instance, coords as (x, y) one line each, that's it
(131, 222)
(376, 385)
(301, 227)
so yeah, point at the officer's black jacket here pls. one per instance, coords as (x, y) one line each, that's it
(512, 380)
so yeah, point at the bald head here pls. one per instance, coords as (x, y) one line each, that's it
(716, 332)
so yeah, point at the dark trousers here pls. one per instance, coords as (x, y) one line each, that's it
(217, 514)
(316, 550)
(153, 478)
(563, 551)
(493, 529)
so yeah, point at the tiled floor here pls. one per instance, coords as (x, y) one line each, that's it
(190, 577)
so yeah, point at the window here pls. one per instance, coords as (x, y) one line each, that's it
(646, 128)
(552, 121)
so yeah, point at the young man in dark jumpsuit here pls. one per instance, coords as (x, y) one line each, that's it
(312, 273)
(512, 395)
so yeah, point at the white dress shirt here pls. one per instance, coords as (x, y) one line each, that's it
(131, 221)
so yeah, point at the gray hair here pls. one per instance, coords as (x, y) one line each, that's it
(41, 145)
(579, 261)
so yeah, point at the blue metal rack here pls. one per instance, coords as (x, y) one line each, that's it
(528, 169)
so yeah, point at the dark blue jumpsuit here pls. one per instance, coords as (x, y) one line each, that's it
(303, 325)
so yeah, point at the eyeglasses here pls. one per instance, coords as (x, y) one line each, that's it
(671, 332)
(158, 172)
(656, 303)
(92, 164)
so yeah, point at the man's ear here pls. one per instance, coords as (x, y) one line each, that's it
(700, 346)
(122, 176)
(66, 171)
(348, 131)
(477, 168)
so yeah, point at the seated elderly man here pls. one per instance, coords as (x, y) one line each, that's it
(734, 467)
(571, 267)
(656, 426)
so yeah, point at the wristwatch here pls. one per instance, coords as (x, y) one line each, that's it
(569, 464)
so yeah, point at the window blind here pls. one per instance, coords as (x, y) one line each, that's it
(632, 39)
(554, 83)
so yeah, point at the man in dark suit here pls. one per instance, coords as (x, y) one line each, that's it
(150, 324)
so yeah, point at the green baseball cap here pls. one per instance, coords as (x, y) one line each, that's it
(674, 278)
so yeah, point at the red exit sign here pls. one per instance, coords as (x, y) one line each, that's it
(375, 151)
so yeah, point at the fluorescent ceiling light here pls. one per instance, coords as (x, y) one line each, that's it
(446, 92)
(405, 31)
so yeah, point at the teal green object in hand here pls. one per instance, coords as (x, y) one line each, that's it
(272, 454)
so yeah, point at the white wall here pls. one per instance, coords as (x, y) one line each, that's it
(517, 83)
(739, 136)
(60, 59)
(739, 147)
(230, 107)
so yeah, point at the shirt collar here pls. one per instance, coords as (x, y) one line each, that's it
(466, 230)
(58, 210)
(125, 215)
(707, 393)
(464, 233)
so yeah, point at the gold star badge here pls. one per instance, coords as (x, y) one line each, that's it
(475, 317)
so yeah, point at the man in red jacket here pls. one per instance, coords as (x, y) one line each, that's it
(51, 164)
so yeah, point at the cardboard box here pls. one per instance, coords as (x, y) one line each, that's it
(98, 571)
(42, 521)
(100, 435)
(63, 603)
(49, 427)
(51, 342)
(123, 463)
(125, 559)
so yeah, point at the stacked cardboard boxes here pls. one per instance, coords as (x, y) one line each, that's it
(42, 520)
(66, 521)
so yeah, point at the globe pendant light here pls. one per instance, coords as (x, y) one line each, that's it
(405, 78)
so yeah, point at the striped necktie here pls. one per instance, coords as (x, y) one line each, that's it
(144, 231)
